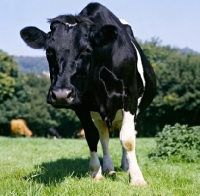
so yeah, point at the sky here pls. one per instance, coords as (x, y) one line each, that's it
(174, 22)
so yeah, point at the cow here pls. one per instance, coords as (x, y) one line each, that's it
(81, 134)
(53, 133)
(19, 128)
(97, 69)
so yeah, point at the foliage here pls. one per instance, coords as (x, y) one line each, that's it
(24, 96)
(181, 142)
(60, 167)
(29, 103)
(178, 89)
(8, 73)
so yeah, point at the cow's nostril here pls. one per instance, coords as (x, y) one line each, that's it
(53, 96)
(70, 94)
(62, 96)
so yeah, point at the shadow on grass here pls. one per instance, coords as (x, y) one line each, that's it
(56, 171)
(51, 173)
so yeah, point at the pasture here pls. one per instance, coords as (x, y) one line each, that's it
(40, 166)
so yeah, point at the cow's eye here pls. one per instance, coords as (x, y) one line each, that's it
(88, 50)
(86, 35)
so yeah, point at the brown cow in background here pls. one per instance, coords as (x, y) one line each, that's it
(19, 128)
(81, 134)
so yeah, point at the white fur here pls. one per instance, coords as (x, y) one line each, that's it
(127, 138)
(139, 64)
(124, 22)
(104, 138)
(141, 72)
(71, 25)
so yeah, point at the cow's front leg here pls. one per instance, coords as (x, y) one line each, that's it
(127, 138)
(92, 138)
(94, 166)
(104, 138)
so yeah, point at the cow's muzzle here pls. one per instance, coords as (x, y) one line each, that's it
(61, 96)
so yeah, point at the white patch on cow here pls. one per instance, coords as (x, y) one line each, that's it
(141, 72)
(124, 22)
(95, 166)
(96, 116)
(71, 25)
(127, 138)
(104, 138)
(139, 65)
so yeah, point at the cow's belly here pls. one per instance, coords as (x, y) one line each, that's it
(96, 116)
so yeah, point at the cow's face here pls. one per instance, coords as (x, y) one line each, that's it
(69, 48)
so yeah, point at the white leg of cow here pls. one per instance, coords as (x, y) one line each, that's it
(127, 138)
(95, 166)
(124, 161)
(104, 138)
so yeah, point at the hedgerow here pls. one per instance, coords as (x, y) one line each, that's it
(178, 143)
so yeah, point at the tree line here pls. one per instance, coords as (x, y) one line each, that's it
(177, 98)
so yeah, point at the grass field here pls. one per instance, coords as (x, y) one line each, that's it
(40, 166)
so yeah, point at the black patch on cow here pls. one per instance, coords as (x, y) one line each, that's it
(91, 132)
(114, 92)
(107, 34)
(113, 86)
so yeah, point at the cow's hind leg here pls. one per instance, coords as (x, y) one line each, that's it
(92, 137)
(104, 138)
(127, 138)
(124, 161)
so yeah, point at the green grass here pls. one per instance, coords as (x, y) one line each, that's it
(39, 166)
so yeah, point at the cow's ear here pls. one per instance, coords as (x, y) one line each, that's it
(105, 35)
(34, 37)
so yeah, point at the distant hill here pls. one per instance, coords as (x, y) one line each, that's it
(32, 64)
(40, 64)
(187, 51)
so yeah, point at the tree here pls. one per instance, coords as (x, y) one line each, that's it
(177, 98)
(24, 96)
(8, 74)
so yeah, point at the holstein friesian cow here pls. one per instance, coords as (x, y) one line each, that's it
(98, 70)
(19, 128)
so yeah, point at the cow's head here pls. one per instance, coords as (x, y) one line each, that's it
(69, 47)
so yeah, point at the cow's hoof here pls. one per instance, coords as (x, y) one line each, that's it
(139, 183)
(110, 172)
(97, 177)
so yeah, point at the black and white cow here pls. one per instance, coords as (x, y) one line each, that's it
(98, 70)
